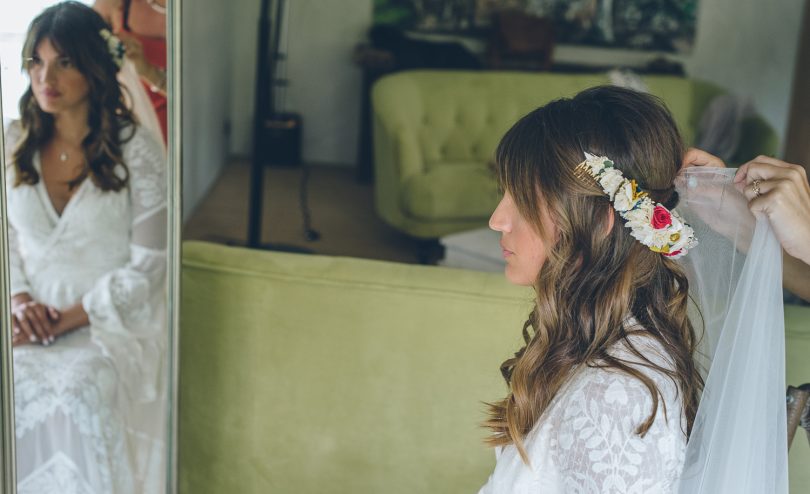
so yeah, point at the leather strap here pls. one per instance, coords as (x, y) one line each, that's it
(798, 410)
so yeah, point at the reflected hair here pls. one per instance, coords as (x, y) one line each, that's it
(595, 277)
(74, 31)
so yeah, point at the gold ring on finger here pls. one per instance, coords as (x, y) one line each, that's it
(755, 188)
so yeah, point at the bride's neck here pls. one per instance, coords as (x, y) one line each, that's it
(71, 127)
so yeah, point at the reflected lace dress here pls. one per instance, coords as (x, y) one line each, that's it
(91, 407)
(586, 440)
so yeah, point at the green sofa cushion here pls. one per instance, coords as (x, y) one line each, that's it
(436, 195)
(311, 374)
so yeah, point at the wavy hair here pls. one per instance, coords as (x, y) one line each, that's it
(74, 30)
(594, 278)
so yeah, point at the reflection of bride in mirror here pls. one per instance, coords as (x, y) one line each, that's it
(87, 214)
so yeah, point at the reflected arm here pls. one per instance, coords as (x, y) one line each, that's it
(126, 306)
(107, 9)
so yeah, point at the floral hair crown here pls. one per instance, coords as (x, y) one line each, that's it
(652, 224)
(114, 46)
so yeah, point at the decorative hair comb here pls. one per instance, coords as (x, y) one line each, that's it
(652, 224)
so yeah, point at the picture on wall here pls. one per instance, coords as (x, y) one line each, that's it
(653, 25)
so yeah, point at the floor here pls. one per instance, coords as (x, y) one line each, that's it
(342, 213)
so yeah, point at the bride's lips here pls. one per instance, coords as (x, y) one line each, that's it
(506, 252)
(51, 93)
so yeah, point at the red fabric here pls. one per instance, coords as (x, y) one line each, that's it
(154, 50)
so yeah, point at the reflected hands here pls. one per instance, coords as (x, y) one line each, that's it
(153, 76)
(32, 321)
(134, 51)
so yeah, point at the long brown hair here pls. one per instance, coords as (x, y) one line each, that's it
(593, 278)
(74, 30)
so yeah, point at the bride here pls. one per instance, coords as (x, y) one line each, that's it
(87, 214)
(609, 385)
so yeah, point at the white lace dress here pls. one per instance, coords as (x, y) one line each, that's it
(91, 407)
(586, 440)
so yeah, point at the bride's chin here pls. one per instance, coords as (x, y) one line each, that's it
(517, 277)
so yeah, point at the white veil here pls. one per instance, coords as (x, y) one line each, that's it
(738, 442)
(138, 101)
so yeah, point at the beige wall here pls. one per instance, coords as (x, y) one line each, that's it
(206, 65)
(324, 84)
(750, 47)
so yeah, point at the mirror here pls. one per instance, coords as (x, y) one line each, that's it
(90, 204)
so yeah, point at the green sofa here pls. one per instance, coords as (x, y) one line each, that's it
(311, 374)
(435, 132)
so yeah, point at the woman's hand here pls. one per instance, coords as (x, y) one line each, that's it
(134, 52)
(153, 76)
(780, 191)
(698, 157)
(32, 321)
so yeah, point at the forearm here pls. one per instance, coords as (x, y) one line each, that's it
(71, 318)
(796, 276)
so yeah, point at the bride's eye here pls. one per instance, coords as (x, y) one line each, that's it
(32, 62)
(65, 63)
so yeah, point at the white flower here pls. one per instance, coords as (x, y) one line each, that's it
(641, 215)
(643, 233)
(595, 163)
(623, 200)
(610, 180)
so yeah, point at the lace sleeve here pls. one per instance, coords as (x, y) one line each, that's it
(597, 448)
(19, 280)
(125, 306)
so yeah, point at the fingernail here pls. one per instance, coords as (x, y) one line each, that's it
(52, 339)
(32, 338)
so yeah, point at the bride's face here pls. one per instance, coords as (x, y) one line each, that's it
(57, 84)
(521, 245)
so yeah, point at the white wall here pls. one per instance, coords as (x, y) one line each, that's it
(206, 65)
(746, 46)
(750, 47)
(324, 83)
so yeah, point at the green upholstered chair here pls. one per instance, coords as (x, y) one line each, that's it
(311, 374)
(435, 133)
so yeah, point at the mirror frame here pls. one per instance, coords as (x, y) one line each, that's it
(175, 233)
(8, 470)
(8, 473)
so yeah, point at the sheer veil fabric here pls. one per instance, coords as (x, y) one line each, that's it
(739, 441)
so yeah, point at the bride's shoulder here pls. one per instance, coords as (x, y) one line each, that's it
(642, 354)
(140, 147)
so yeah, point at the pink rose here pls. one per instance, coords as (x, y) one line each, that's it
(660, 218)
